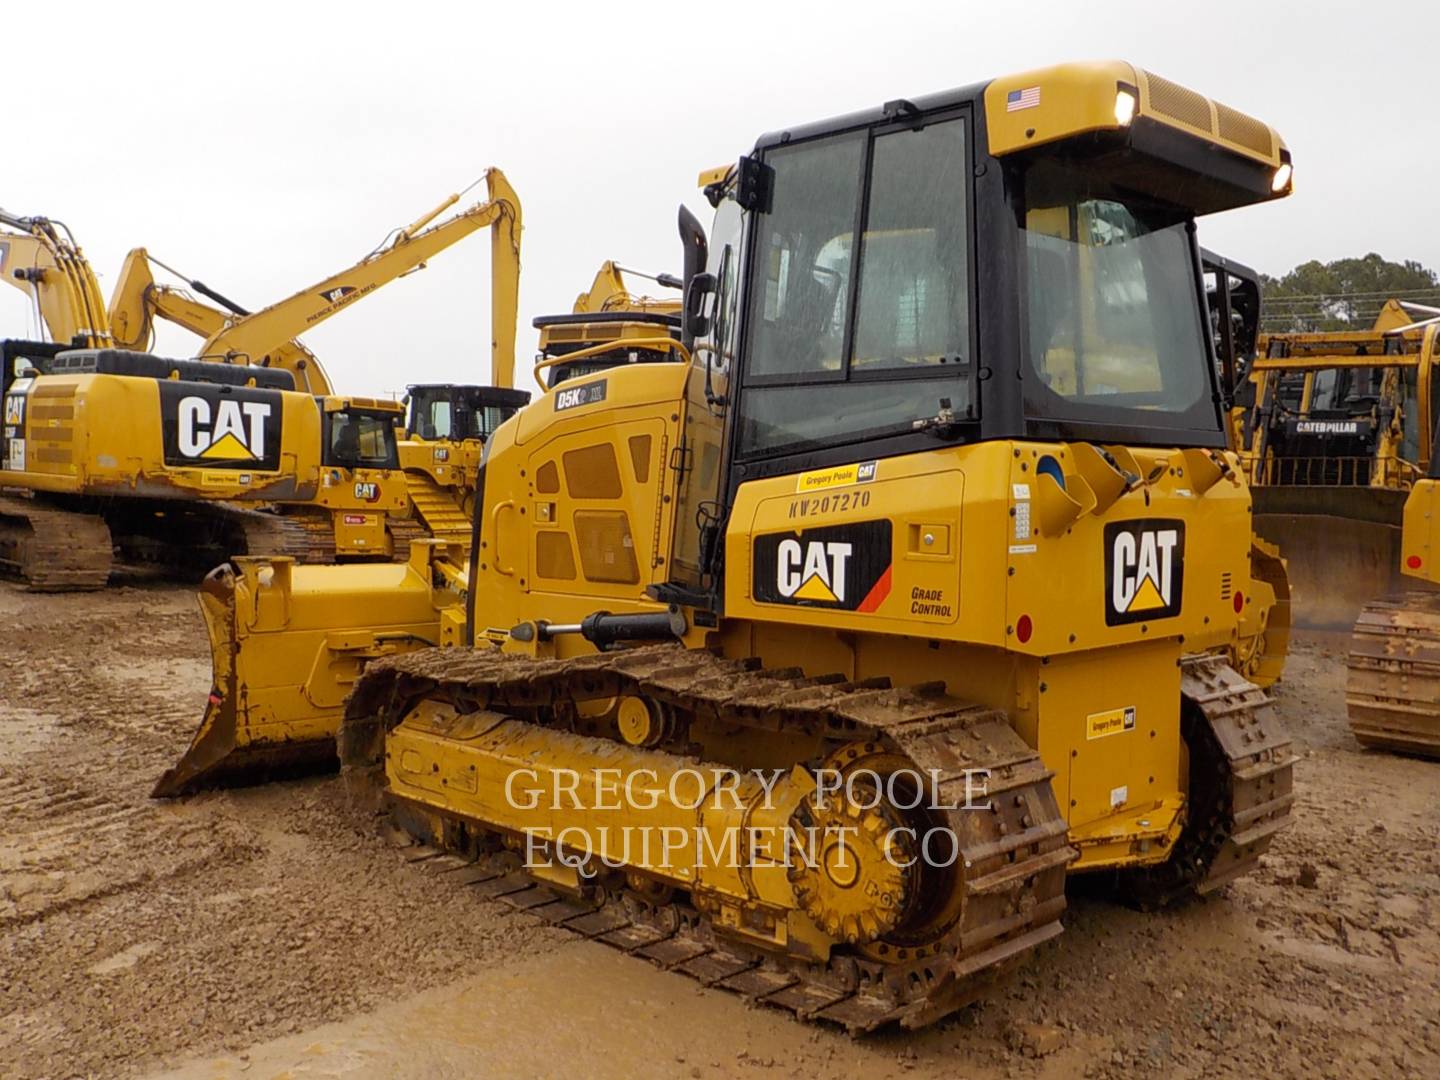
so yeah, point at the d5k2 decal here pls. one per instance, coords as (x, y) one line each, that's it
(229, 427)
(839, 566)
(1144, 570)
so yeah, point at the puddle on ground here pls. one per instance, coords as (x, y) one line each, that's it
(580, 1010)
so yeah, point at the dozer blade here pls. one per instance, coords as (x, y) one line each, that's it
(1341, 547)
(1393, 689)
(286, 644)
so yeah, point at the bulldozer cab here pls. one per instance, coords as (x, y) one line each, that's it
(1340, 430)
(359, 436)
(583, 343)
(450, 412)
(840, 313)
(1232, 295)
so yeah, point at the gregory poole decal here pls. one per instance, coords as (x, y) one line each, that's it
(839, 566)
(227, 427)
(840, 476)
(1110, 722)
(1144, 570)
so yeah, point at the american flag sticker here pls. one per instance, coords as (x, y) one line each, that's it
(1022, 99)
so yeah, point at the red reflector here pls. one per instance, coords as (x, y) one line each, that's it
(1239, 602)
(1413, 562)
(1023, 628)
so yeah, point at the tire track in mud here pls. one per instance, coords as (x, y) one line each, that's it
(108, 698)
(65, 844)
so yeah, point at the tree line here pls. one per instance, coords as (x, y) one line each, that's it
(1345, 294)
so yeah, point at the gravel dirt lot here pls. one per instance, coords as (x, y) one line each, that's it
(270, 932)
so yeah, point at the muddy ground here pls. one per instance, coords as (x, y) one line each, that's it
(268, 932)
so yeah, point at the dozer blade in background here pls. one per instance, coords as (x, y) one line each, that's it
(1393, 690)
(286, 644)
(1341, 547)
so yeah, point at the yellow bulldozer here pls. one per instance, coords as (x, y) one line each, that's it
(807, 646)
(171, 461)
(446, 427)
(288, 641)
(1334, 429)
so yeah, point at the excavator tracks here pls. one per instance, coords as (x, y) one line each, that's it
(52, 549)
(1241, 786)
(1006, 901)
(306, 537)
(1393, 689)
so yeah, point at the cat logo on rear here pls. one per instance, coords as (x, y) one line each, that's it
(225, 430)
(1144, 570)
(837, 566)
(220, 427)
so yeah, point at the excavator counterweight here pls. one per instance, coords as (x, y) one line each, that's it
(113, 450)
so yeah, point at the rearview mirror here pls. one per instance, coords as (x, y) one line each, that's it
(696, 251)
(699, 304)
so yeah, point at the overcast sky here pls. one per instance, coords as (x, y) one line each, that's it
(262, 146)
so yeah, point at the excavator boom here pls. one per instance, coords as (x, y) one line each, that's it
(53, 271)
(258, 335)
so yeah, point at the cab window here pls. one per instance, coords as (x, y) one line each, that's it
(1114, 317)
(859, 320)
(361, 440)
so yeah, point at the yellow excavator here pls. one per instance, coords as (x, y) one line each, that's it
(107, 447)
(1393, 690)
(809, 660)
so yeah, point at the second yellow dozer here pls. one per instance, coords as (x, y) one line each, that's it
(1335, 428)
(1393, 690)
(810, 661)
(287, 641)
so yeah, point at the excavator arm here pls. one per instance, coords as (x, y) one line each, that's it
(138, 299)
(261, 337)
(53, 271)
